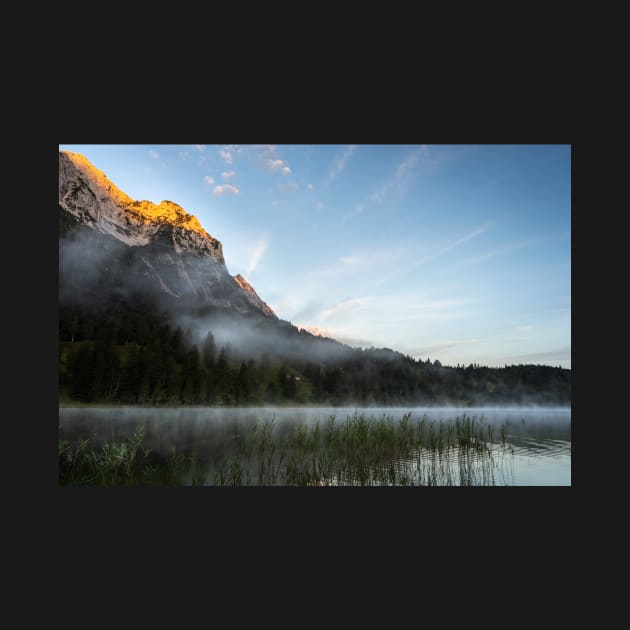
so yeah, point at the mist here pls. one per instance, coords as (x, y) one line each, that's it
(197, 295)
(216, 434)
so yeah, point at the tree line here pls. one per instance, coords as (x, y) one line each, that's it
(131, 354)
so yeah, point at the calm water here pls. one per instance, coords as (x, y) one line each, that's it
(529, 446)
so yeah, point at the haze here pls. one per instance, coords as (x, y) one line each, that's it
(458, 253)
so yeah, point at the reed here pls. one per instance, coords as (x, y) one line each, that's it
(358, 451)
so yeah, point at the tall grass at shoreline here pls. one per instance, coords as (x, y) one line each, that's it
(357, 451)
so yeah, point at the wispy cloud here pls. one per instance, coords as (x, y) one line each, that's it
(446, 344)
(288, 186)
(256, 254)
(450, 247)
(277, 204)
(339, 163)
(291, 305)
(185, 155)
(423, 157)
(356, 211)
(397, 183)
(411, 308)
(225, 189)
(469, 262)
(319, 206)
(226, 155)
(208, 179)
(345, 265)
(228, 174)
(435, 255)
(525, 328)
(344, 307)
(309, 186)
(360, 262)
(401, 174)
(200, 147)
(157, 159)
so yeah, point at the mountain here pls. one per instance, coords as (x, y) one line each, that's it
(253, 296)
(114, 246)
(149, 314)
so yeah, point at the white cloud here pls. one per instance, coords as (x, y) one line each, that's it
(309, 186)
(226, 155)
(228, 174)
(209, 180)
(273, 161)
(278, 165)
(225, 188)
(154, 154)
(200, 147)
(256, 254)
(319, 206)
(525, 328)
(339, 163)
(185, 155)
(277, 204)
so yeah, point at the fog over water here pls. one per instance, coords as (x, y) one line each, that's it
(539, 438)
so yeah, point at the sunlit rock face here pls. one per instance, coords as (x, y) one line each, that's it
(91, 197)
(252, 296)
(139, 246)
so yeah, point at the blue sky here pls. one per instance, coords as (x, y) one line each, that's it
(459, 253)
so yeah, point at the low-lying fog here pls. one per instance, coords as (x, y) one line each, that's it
(118, 422)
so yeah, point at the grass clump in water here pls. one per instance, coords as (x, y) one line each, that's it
(126, 463)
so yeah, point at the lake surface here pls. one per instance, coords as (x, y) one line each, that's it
(522, 445)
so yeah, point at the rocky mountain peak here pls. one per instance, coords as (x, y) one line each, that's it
(170, 253)
(89, 195)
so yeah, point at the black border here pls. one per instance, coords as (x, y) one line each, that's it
(167, 521)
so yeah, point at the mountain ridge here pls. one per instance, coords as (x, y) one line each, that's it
(172, 251)
(149, 314)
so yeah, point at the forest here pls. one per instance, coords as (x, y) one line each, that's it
(131, 353)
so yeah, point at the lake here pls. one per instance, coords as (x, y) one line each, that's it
(520, 446)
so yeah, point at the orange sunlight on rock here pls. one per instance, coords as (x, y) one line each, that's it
(145, 211)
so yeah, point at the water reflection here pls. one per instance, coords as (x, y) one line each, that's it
(511, 446)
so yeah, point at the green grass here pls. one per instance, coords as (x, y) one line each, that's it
(357, 451)
(125, 463)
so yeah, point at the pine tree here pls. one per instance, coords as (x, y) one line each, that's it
(243, 389)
